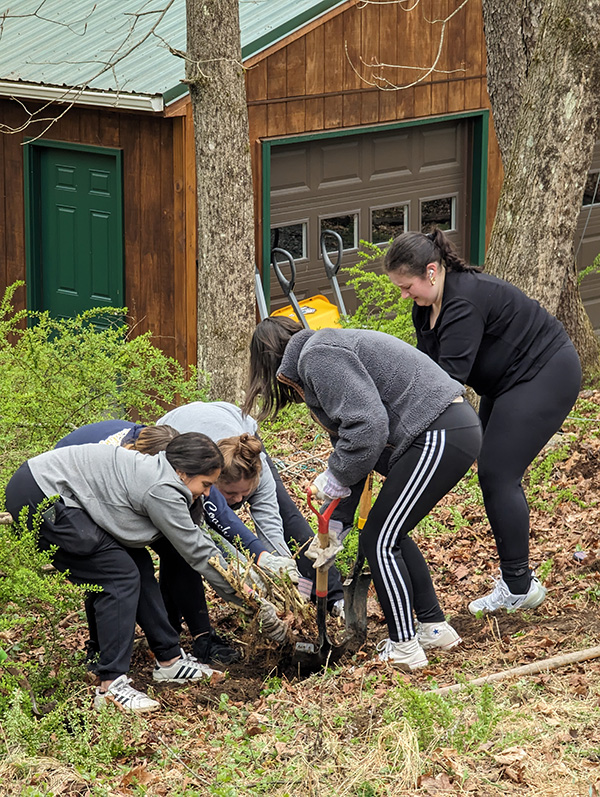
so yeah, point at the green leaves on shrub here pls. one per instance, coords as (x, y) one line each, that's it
(58, 374)
(380, 304)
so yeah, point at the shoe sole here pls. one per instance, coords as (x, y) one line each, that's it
(182, 680)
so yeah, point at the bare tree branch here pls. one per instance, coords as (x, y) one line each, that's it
(379, 80)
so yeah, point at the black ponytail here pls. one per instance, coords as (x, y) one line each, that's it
(411, 252)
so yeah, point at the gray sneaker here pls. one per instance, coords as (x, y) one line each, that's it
(437, 635)
(502, 598)
(122, 694)
(404, 655)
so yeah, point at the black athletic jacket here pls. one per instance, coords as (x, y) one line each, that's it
(488, 335)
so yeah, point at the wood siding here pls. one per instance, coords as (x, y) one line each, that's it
(321, 78)
(160, 289)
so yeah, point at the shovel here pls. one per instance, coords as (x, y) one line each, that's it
(308, 656)
(331, 268)
(356, 587)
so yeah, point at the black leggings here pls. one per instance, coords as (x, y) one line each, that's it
(92, 556)
(423, 474)
(517, 425)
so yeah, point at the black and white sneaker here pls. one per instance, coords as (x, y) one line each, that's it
(186, 668)
(121, 693)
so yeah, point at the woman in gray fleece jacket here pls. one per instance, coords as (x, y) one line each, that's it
(389, 408)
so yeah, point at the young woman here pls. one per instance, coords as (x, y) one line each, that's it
(99, 502)
(389, 408)
(180, 584)
(250, 476)
(487, 334)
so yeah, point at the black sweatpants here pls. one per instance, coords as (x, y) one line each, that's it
(516, 426)
(433, 464)
(92, 556)
(297, 531)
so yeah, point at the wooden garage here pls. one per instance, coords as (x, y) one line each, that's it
(99, 206)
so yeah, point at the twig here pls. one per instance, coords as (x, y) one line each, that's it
(527, 669)
(172, 752)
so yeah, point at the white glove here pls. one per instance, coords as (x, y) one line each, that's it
(270, 624)
(279, 565)
(324, 557)
(326, 487)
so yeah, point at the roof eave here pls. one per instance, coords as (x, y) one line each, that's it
(107, 99)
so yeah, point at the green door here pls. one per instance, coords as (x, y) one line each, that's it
(76, 233)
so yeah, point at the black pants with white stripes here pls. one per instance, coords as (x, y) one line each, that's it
(433, 464)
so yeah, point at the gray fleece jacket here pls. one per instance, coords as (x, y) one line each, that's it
(374, 394)
(134, 497)
(217, 420)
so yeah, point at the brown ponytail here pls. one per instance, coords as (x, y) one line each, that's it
(241, 456)
(153, 439)
(411, 252)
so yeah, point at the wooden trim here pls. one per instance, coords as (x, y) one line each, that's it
(254, 59)
(179, 107)
(326, 94)
(179, 248)
(191, 229)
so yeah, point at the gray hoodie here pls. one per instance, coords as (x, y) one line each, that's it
(217, 420)
(370, 390)
(134, 497)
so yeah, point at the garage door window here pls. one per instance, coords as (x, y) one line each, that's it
(388, 222)
(591, 192)
(439, 212)
(345, 226)
(292, 238)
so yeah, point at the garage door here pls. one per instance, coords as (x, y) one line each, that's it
(370, 187)
(587, 239)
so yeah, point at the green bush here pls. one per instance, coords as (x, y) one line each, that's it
(58, 374)
(380, 304)
(34, 601)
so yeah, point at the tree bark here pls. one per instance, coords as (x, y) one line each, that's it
(225, 199)
(546, 131)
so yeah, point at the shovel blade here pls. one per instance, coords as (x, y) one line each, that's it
(356, 590)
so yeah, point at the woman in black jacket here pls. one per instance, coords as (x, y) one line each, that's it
(484, 332)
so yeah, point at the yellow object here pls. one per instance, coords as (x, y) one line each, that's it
(364, 506)
(318, 311)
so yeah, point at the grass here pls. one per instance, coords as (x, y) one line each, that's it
(360, 730)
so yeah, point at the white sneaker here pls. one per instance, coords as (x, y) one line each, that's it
(437, 635)
(404, 655)
(338, 610)
(502, 598)
(186, 668)
(126, 696)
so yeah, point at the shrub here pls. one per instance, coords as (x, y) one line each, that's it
(380, 304)
(58, 374)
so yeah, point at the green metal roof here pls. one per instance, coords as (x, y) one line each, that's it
(125, 45)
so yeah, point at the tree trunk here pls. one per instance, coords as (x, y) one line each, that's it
(547, 133)
(225, 200)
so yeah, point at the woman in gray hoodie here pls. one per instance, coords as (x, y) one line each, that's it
(100, 503)
(389, 408)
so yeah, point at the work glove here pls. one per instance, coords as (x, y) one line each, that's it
(326, 487)
(270, 624)
(323, 558)
(279, 565)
